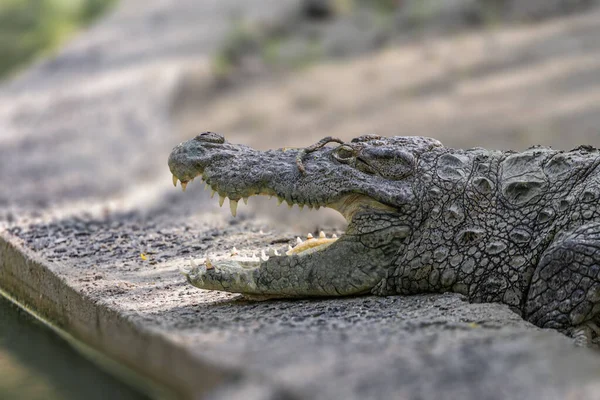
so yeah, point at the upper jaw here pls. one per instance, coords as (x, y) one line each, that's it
(238, 172)
(347, 204)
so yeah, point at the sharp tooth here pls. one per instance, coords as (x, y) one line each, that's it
(298, 240)
(212, 193)
(183, 185)
(309, 236)
(254, 254)
(322, 235)
(175, 181)
(245, 200)
(310, 207)
(208, 263)
(273, 252)
(263, 256)
(289, 203)
(279, 201)
(334, 236)
(290, 247)
(234, 252)
(221, 200)
(233, 206)
(206, 186)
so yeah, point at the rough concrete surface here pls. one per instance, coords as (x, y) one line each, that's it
(93, 234)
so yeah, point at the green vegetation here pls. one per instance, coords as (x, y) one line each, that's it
(30, 28)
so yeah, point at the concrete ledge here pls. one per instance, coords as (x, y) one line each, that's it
(31, 281)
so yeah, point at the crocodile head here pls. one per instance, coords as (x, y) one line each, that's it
(369, 180)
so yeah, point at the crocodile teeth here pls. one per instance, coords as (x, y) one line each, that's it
(289, 247)
(309, 236)
(263, 256)
(322, 235)
(175, 181)
(183, 185)
(212, 193)
(233, 206)
(221, 200)
(273, 252)
(311, 243)
(290, 204)
(298, 240)
(206, 186)
(234, 252)
(245, 200)
(279, 201)
(208, 263)
(334, 236)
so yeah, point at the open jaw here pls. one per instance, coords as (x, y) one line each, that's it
(314, 177)
(315, 266)
(346, 205)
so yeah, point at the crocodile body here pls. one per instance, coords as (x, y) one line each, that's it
(521, 228)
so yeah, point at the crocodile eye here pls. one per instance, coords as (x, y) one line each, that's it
(344, 153)
(210, 137)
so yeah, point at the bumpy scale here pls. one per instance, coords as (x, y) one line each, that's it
(517, 228)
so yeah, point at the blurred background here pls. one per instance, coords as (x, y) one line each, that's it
(95, 93)
(31, 29)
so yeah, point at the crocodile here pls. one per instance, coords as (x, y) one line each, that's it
(519, 228)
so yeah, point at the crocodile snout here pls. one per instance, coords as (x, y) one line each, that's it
(188, 159)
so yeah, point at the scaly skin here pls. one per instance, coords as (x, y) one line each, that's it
(517, 228)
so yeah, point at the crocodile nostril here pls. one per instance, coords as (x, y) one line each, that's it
(210, 137)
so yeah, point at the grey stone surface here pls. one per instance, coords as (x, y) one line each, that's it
(83, 159)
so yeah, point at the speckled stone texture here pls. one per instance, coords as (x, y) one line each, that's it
(86, 192)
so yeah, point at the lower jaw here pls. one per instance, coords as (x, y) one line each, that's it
(253, 259)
